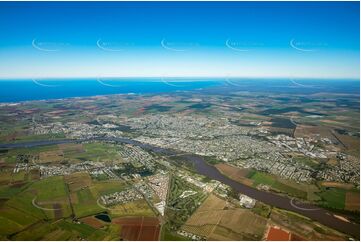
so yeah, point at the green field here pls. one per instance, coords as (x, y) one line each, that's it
(8, 191)
(333, 197)
(96, 151)
(23, 202)
(135, 208)
(169, 236)
(306, 160)
(8, 226)
(46, 193)
(62, 230)
(21, 220)
(272, 181)
(86, 204)
(262, 209)
(100, 188)
(50, 188)
(11, 155)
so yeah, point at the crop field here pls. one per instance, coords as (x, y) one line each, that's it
(84, 192)
(29, 205)
(62, 230)
(71, 149)
(33, 151)
(55, 156)
(86, 204)
(34, 175)
(51, 193)
(49, 188)
(352, 144)
(135, 208)
(309, 131)
(96, 152)
(262, 209)
(212, 203)
(8, 226)
(352, 201)
(235, 173)
(9, 191)
(99, 188)
(14, 220)
(23, 202)
(303, 227)
(139, 228)
(78, 181)
(44, 199)
(346, 186)
(215, 220)
(93, 222)
(272, 181)
(18, 177)
(5, 177)
(170, 236)
(333, 197)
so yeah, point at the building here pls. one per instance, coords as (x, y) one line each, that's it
(246, 201)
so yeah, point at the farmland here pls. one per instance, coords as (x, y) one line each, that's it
(91, 151)
(136, 208)
(340, 196)
(352, 201)
(138, 228)
(55, 198)
(216, 219)
(276, 184)
(303, 227)
(107, 180)
(237, 174)
(254, 178)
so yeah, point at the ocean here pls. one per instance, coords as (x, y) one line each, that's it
(27, 90)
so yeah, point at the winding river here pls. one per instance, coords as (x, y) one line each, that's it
(315, 213)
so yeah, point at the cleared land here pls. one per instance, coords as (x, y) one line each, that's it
(216, 220)
(136, 208)
(333, 197)
(235, 173)
(93, 222)
(55, 156)
(352, 201)
(78, 181)
(139, 228)
(303, 227)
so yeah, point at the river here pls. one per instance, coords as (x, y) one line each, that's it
(202, 167)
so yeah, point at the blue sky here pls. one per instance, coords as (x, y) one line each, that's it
(213, 39)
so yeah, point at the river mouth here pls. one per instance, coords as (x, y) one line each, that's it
(202, 167)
